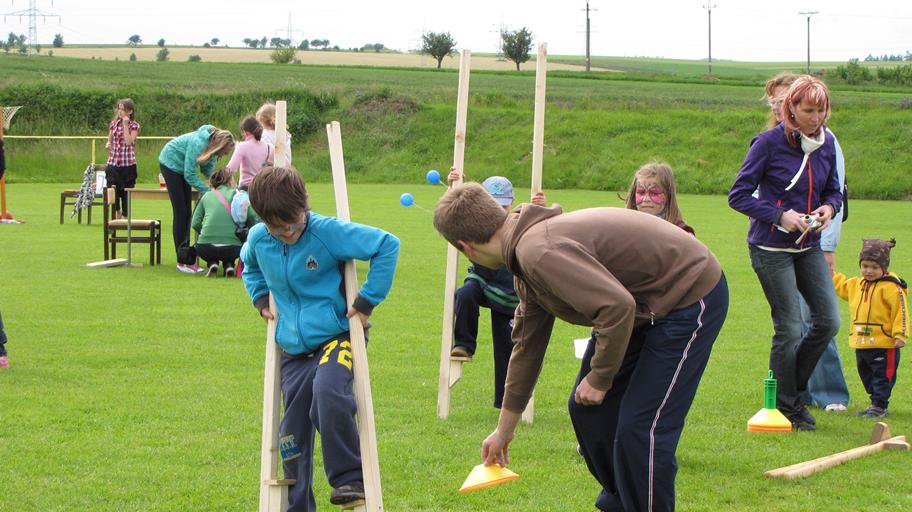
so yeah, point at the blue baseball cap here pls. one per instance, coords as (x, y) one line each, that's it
(500, 188)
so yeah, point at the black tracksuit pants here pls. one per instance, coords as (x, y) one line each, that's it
(877, 368)
(629, 440)
(318, 397)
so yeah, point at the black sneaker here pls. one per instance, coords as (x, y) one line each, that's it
(800, 421)
(229, 272)
(347, 493)
(798, 424)
(802, 413)
(874, 412)
(213, 271)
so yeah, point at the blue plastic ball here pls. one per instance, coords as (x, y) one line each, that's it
(406, 199)
(433, 177)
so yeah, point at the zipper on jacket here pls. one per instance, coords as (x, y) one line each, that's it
(652, 318)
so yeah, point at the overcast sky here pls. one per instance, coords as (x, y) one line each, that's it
(771, 30)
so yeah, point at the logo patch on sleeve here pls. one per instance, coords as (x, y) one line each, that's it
(289, 448)
(312, 263)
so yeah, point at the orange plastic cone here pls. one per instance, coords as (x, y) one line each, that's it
(486, 476)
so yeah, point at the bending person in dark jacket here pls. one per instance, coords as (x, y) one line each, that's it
(793, 169)
(657, 299)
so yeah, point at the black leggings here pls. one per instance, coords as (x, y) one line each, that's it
(121, 178)
(213, 254)
(179, 193)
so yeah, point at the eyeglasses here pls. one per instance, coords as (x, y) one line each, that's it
(775, 103)
(654, 194)
(285, 230)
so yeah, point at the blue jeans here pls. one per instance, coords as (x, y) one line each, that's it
(794, 354)
(827, 384)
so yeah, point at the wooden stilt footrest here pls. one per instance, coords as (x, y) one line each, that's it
(357, 505)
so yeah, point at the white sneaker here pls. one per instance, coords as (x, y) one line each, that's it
(835, 408)
(189, 269)
(213, 271)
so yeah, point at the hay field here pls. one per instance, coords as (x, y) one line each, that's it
(329, 58)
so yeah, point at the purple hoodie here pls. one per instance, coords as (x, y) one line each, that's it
(770, 165)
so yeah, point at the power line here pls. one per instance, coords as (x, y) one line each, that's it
(588, 37)
(289, 31)
(808, 14)
(32, 12)
(709, 12)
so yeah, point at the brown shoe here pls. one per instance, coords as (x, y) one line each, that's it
(459, 351)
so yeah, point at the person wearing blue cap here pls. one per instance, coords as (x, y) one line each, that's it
(492, 289)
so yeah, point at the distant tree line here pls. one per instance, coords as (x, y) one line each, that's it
(854, 73)
(15, 42)
(514, 45)
(889, 58)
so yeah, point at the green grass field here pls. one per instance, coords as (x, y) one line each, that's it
(140, 389)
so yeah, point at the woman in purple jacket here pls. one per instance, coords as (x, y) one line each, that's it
(793, 168)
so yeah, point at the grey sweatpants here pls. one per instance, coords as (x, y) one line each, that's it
(318, 396)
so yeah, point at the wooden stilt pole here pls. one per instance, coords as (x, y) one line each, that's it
(3, 213)
(273, 491)
(880, 440)
(538, 145)
(370, 463)
(451, 369)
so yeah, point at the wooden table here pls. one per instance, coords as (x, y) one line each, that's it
(148, 193)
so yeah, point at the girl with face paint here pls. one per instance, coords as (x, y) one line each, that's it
(652, 191)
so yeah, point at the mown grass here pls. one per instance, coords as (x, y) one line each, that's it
(598, 131)
(140, 389)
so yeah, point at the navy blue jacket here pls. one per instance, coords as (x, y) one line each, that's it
(497, 285)
(770, 165)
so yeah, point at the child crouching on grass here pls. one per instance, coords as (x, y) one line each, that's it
(213, 221)
(880, 322)
(295, 255)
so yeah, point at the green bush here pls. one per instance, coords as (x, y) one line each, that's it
(282, 55)
(854, 73)
(80, 112)
(194, 58)
(162, 55)
(900, 75)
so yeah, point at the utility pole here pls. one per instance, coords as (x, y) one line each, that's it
(709, 12)
(588, 56)
(808, 14)
(32, 12)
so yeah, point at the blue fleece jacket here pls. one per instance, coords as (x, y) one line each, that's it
(770, 164)
(180, 154)
(305, 277)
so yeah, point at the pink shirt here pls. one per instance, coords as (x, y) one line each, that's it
(250, 156)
